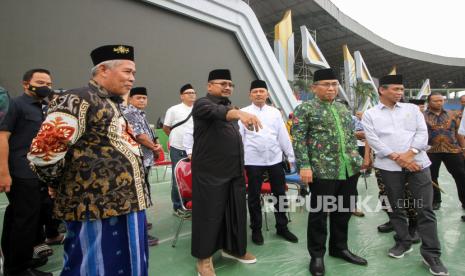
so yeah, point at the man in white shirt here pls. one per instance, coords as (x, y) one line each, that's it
(263, 152)
(177, 119)
(398, 134)
(188, 142)
(462, 130)
(462, 124)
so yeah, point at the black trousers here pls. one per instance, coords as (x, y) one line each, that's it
(454, 165)
(278, 189)
(21, 224)
(46, 216)
(338, 219)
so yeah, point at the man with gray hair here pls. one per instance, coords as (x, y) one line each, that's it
(88, 154)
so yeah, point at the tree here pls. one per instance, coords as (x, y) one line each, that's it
(362, 91)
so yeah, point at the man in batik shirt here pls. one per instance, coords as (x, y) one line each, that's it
(86, 152)
(135, 114)
(442, 137)
(328, 160)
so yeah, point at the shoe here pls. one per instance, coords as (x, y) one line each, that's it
(317, 266)
(385, 228)
(60, 239)
(398, 251)
(181, 214)
(205, 267)
(463, 218)
(288, 236)
(358, 213)
(152, 241)
(436, 206)
(31, 272)
(257, 237)
(436, 267)
(246, 259)
(41, 251)
(149, 226)
(349, 257)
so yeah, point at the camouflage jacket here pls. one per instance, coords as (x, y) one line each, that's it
(324, 140)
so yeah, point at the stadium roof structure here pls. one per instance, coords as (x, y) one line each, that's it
(333, 29)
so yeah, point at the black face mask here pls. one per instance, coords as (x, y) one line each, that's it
(40, 91)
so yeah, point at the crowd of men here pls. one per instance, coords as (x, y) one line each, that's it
(89, 155)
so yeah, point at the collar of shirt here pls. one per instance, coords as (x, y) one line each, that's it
(185, 105)
(42, 104)
(429, 112)
(32, 100)
(258, 108)
(132, 108)
(382, 106)
(103, 93)
(219, 100)
(324, 102)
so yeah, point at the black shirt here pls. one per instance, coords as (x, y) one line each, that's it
(23, 121)
(218, 149)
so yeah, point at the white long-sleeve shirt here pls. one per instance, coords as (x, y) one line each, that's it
(396, 130)
(266, 147)
(462, 124)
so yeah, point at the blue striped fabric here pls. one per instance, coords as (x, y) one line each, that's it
(113, 246)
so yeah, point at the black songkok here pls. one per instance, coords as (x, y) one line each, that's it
(324, 74)
(138, 91)
(185, 87)
(390, 79)
(258, 84)
(219, 74)
(417, 101)
(112, 52)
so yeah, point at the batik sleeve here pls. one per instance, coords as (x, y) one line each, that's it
(64, 125)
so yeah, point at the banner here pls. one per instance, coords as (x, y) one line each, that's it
(425, 90)
(313, 56)
(284, 45)
(350, 79)
(393, 71)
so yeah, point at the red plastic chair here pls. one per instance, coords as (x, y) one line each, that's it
(183, 175)
(162, 161)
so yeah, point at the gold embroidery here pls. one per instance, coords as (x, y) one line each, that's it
(82, 118)
(121, 50)
(115, 141)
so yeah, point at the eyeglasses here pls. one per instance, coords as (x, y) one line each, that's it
(328, 84)
(224, 84)
(189, 93)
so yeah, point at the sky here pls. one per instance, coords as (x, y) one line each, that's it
(431, 26)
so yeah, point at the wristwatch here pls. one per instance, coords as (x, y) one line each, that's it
(414, 150)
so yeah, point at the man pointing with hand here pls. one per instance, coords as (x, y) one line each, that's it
(219, 213)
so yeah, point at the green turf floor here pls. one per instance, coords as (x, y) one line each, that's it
(278, 257)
